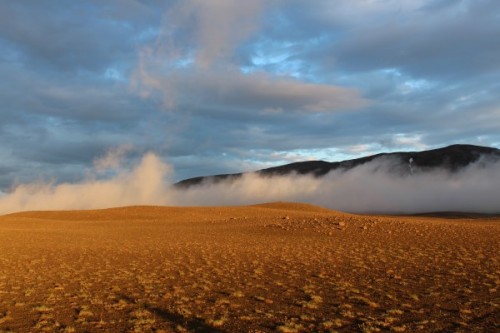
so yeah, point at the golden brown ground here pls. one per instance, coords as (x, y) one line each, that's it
(267, 268)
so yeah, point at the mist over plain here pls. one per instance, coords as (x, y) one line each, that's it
(373, 187)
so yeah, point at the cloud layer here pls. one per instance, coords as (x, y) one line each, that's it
(223, 86)
(369, 188)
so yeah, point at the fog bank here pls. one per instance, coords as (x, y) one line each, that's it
(369, 188)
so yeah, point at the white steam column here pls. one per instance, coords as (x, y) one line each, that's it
(410, 164)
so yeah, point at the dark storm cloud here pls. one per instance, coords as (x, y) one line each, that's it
(220, 86)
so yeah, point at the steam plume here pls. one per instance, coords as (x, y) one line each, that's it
(367, 188)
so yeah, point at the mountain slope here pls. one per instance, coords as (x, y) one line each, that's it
(451, 158)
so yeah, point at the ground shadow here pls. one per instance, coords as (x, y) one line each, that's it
(192, 324)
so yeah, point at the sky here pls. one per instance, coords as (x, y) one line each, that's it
(225, 86)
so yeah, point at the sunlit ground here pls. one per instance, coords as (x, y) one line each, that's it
(279, 267)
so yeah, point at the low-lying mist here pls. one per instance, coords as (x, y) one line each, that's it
(369, 188)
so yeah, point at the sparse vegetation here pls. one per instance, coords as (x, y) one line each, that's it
(285, 268)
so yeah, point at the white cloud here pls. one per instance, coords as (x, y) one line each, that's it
(370, 187)
(413, 141)
(191, 66)
(258, 92)
(144, 184)
(220, 26)
(113, 158)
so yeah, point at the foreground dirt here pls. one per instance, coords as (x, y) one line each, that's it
(267, 268)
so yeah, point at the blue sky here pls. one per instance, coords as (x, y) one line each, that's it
(225, 86)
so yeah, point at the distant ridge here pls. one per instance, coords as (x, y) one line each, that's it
(451, 158)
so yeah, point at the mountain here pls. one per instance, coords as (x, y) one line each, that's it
(451, 158)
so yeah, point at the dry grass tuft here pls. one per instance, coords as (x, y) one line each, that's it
(266, 268)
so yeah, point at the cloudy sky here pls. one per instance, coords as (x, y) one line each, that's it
(224, 85)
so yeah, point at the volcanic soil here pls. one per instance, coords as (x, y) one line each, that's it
(267, 268)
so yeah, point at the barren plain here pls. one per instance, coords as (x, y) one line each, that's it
(267, 268)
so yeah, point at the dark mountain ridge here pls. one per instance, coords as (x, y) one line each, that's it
(452, 158)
